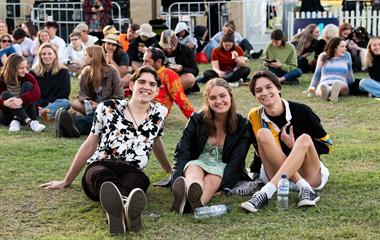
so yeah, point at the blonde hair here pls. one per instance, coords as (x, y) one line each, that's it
(368, 62)
(39, 67)
(94, 70)
(231, 121)
(9, 71)
(330, 31)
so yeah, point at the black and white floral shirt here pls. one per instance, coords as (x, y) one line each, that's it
(119, 139)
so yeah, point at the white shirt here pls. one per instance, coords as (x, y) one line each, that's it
(25, 49)
(61, 44)
(91, 41)
(70, 54)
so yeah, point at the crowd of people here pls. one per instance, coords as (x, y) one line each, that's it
(128, 83)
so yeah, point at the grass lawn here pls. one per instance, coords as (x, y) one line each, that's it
(349, 206)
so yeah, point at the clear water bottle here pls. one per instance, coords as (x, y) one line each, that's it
(283, 193)
(212, 211)
(87, 107)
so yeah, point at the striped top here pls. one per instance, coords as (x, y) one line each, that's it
(335, 69)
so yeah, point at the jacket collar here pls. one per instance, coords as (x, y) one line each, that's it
(288, 116)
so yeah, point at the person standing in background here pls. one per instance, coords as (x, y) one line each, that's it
(97, 15)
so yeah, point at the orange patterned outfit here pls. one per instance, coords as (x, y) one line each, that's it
(171, 90)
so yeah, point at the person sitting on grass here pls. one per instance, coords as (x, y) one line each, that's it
(210, 155)
(19, 92)
(181, 60)
(228, 62)
(73, 55)
(98, 81)
(290, 140)
(54, 81)
(171, 89)
(117, 151)
(281, 58)
(372, 63)
(333, 73)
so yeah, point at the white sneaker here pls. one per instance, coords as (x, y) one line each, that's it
(335, 89)
(234, 84)
(325, 92)
(14, 126)
(36, 126)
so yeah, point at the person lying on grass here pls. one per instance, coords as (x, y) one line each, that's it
(117, 151)
(210, 155)
(290, 139)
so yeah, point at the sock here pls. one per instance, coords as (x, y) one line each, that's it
(302, 183)
(269, 189)
(252, 51)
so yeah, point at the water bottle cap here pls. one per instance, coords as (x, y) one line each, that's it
(283, 176)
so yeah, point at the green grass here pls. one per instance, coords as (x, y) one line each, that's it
(349, 206)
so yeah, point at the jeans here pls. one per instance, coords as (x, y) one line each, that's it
(209, 47)
(371, 86)
(84, 123)
(296, 73)
(57, 104)
(21, 114)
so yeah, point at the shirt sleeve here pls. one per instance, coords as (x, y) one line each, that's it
(97, 124)
(178, 95)
(318, 71)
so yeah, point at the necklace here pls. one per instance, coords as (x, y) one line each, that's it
(133, 118)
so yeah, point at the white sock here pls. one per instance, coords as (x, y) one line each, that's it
(269, 189)
(252, 51)
(302, 183)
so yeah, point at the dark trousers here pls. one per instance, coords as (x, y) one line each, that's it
(241, 72)
(246, 46)
(84, 123)
(21, 114)
(126, 177)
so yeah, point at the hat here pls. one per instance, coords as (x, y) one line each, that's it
(110, 29)
(81, 27)
(180, 27)
(112, 38)
(168, 39)
(146, 30)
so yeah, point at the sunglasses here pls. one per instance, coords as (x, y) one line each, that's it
(6, 41)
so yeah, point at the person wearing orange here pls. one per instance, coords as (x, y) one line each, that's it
(126, 38)
(171, 89)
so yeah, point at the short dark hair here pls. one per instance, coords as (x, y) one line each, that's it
(278, 34)
(146, 69)
(134, 27)
(229, 37)
(157, 54)
(18, 33)
(51, 24)
(263, 74)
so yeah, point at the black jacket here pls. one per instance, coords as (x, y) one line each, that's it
(184, 56)
(235, 148)
(53, 87)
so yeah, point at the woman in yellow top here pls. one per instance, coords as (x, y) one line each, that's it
(290, 139)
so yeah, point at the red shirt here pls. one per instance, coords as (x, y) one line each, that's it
(226, 63)
(171, 91)
(28, 97)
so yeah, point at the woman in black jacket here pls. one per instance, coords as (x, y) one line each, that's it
(211, 153)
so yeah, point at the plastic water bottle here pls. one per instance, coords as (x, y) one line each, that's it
(212, 211)
(87, 107)
(283, 193)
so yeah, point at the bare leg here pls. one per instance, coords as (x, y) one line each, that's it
(78, 106)
(304, 159)
(194, 173)
(211, 185)
(272, 155)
